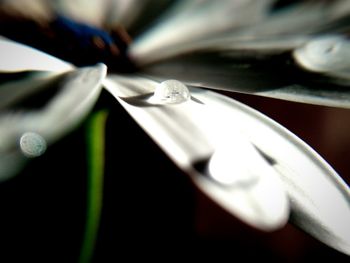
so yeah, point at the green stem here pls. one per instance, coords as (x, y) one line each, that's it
(96, 158)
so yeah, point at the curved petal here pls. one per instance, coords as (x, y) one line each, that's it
(211, 149)
(215, 132)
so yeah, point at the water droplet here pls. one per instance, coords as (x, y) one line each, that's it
(171, 91)
(325, 54)
(32, 144)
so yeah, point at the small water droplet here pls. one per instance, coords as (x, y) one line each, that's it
(325, 54)
(32, 144)
(172, 92)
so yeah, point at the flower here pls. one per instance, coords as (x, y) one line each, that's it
(256, 47)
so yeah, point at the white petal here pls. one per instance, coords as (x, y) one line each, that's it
(85, 11)
(194, 131)
(18, 57)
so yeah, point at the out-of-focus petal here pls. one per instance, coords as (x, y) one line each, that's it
(90, 12)
(191, 21)
(77, 92)
(38, 10)
(18, 57)
(134, 15)
(192, 25)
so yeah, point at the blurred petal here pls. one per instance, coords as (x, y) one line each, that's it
(191, 21)
(135, 15)
(16, 87)
(78, 91)
(192, 25)
(300, 19)
(38, 10)
(130, 14)
(18, 57)
(90, 12)
(123, 12)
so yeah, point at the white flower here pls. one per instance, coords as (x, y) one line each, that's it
(244, 161)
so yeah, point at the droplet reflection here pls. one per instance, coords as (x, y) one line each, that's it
(232, 164)
(172, 92)
(32, 144)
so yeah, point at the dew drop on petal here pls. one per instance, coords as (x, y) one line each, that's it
(32, 144)
(325, 54)
(171, 92)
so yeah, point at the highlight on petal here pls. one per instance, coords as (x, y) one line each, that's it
(18, 57)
